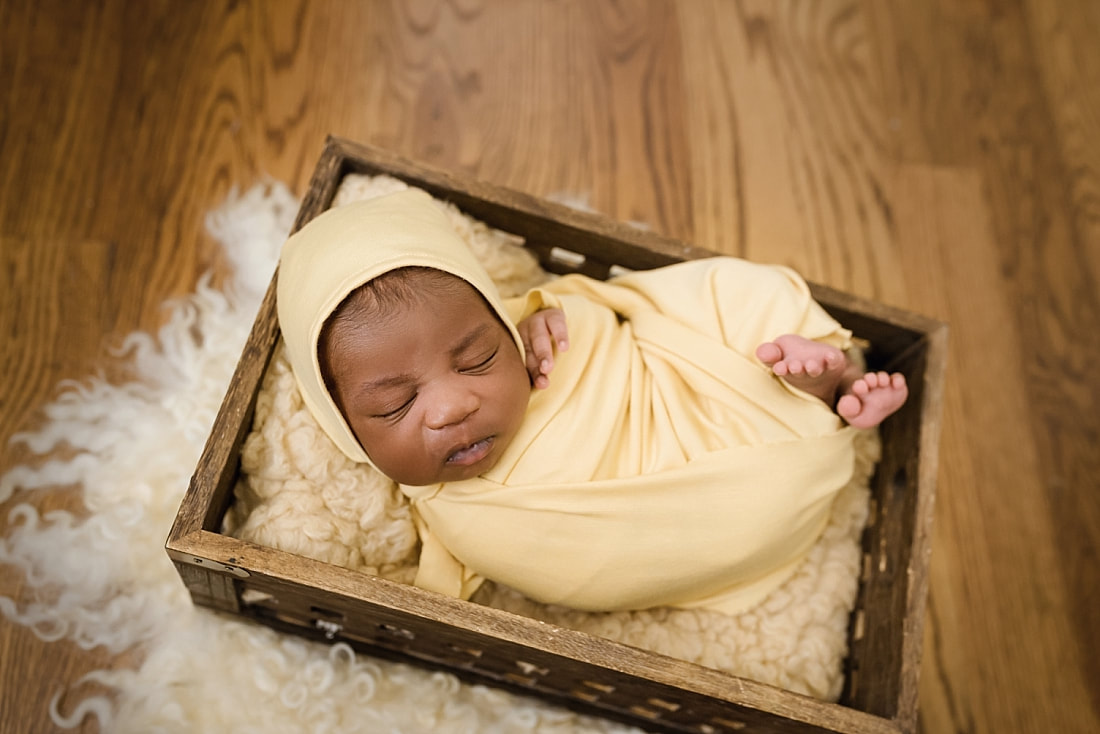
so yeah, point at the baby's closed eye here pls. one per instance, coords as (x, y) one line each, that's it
(478, 365)
(399, 407)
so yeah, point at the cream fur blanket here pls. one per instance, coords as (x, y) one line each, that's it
(103, 578)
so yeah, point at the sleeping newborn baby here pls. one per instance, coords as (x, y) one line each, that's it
(668, 437)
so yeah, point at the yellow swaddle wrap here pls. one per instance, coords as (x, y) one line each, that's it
(664, 465)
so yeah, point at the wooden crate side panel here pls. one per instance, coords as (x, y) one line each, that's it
(883, 665)
(543, 224)
(210, 490)
(616, 688)
(283, 589)
(209, 589)
(921, 544)
(651, 706)
(873, 680)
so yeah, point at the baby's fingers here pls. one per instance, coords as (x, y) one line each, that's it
(542, 332)
(540, 352)
(534, 369)
(555, 324)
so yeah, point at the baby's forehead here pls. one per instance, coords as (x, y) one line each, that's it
(394, 294)
(395, 291)
(427, 327)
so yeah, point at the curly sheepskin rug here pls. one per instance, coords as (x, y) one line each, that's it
(104, 579)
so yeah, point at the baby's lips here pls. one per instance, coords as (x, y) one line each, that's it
(471, 453)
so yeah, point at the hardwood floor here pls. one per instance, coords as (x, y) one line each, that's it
(942, 155)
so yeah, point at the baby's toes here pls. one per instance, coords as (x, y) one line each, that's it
(848, 407)
(769, 353)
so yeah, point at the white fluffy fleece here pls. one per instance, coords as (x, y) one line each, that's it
(300, 494)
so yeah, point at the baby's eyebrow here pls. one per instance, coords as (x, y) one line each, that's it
(385, 382)
(472, 336)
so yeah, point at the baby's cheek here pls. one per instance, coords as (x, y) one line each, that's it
(520, 393)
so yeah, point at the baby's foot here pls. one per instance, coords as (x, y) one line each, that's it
(807, 365)
(871, 398)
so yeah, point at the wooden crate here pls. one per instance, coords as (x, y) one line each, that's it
(570, 668)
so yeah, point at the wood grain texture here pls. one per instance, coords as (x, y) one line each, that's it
(991, 559)
(937, 155)
(787, 121)
(1016, 133)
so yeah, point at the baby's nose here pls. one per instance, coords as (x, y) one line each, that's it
(451, 408)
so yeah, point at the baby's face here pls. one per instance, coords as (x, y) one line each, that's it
(434, 392)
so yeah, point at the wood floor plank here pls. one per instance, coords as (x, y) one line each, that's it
(1014, 109)
(787, 129)
(995, 565)
(531, 111)
(95, 233)
(1063, 37)
(1063, 40)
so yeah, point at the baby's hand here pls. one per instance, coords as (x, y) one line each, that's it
(541, 332)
